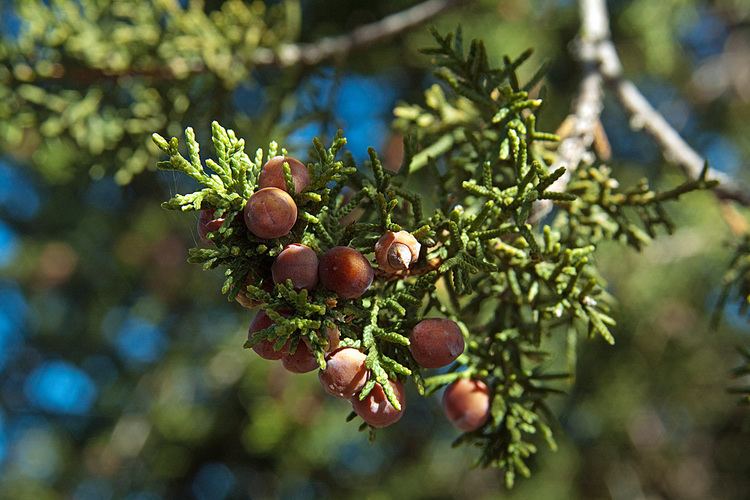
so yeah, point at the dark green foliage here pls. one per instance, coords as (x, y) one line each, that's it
(737, 289)
(743, 371)
(601, 210)
(736, 280)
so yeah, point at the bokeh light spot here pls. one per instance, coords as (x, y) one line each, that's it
(60, 387)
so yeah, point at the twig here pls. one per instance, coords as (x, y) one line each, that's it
(643, 115)
(581, 125)
(673, 146)
(601, 63)
(311, 54)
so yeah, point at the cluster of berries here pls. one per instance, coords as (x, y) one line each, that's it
(434, 342)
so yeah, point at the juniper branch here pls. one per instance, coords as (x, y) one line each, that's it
(479, 252)
(311, 54)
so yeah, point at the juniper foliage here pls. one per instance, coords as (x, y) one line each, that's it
(145, 66)
(736, 288)
(514, 288)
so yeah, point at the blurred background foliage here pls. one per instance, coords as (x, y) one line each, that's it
(123, 373)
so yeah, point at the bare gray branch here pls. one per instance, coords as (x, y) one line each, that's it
(643, 115)
(575, 145)
(310, 54)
